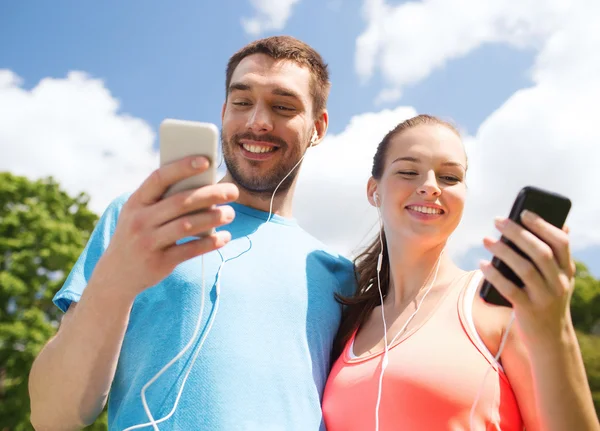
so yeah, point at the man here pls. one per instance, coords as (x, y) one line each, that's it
(133, 299)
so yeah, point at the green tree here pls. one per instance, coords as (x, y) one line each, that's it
(590, 350)
(585, 303)
(42, 232)
(585, 312)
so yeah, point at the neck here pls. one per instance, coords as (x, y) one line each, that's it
(282, 203)
(413, 267)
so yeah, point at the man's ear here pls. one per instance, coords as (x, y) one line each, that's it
(320, 130)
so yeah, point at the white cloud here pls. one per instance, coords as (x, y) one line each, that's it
(71, 128)
(545, 135)
(271, 15)
(331, 200)
(407, 42)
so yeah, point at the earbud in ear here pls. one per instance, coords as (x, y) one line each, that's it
(376, 199)
(314, 137)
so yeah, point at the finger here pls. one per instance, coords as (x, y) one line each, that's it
(572, 266)
(193, 224)
(189, 201)
(540, 253)
(556, 238)
(179, 253)
(161, 179)
(523, 268)
(513, 294)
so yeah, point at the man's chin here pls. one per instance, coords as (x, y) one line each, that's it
(263, 189)
(258, 177)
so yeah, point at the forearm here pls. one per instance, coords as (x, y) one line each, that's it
(562, 391)
(71, 377)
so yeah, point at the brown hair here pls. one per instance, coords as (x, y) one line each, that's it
(358, 307)
(292, 49)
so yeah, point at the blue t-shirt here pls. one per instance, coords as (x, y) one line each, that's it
(266, 359)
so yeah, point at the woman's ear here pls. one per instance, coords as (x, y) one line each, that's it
(372, 195)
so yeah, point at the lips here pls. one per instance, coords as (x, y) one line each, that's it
(426, 209)
(258, 148)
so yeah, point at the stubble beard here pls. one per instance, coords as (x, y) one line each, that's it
(261, 185)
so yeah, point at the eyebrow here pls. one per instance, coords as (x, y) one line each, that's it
(276, 91)
(416, 160)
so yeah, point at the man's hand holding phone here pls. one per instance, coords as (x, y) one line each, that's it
(143, 249)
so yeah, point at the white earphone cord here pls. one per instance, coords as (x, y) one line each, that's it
(491, 367)
(152, 422)
(400, 332)
(385, 359)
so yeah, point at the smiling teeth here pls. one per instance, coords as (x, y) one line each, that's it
(426, 210)
(257, 148)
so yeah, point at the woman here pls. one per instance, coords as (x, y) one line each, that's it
(441, 365)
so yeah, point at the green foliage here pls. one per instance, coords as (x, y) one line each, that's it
(42, 233)
(585, 303)
(590, 350)
(585, 312)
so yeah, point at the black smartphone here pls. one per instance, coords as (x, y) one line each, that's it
(550, 206)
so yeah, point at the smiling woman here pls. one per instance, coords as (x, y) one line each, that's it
(418, 348)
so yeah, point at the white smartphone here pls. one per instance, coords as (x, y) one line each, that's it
(182, 138)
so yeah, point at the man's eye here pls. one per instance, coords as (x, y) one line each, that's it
(409, 173)
(283, 108)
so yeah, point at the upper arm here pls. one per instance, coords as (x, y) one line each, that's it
(517, 367)
(64, 321)
(490, 322)
(68, 316)
(81, 272)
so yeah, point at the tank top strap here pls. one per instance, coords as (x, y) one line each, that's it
(464, 307)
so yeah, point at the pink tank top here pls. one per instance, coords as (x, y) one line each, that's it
(434, 374)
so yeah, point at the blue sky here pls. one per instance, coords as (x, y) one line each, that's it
(165, 60)
(162, 59)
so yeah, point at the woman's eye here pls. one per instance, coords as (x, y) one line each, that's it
(450, 179)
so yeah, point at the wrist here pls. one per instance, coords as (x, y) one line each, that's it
(108, 284)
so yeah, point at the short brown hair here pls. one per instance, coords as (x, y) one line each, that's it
(288, 48)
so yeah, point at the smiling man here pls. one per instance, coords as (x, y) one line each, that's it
(275, 109)
(134, 298)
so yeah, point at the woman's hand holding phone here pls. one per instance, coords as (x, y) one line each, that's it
(542, 306)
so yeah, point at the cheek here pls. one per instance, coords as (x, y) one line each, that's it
(234, 118)
(456, 199)
(226, 125)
